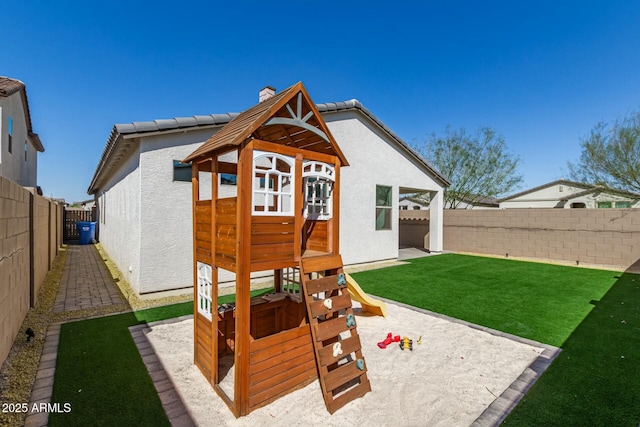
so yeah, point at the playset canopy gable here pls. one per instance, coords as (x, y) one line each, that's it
(288, 118)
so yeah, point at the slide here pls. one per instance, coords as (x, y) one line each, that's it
(369, 304)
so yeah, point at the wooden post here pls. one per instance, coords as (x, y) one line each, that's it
(195, 195)
(277, 280)
(243, 281)
(214, 273)
(298, 207)
(335, 220)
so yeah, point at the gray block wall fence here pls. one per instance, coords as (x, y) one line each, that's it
(607, 237)
(30, 238)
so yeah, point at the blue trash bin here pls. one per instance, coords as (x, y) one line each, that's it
(87, 230)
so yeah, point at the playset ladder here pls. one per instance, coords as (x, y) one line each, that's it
(341, 368)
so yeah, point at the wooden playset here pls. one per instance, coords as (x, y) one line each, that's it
(284, 217)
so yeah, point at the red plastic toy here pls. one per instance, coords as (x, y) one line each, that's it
(390, 338)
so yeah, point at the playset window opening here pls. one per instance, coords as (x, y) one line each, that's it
(272, 184)
(204, 289)
(318, 179)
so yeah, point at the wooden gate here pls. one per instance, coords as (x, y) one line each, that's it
(71, 216)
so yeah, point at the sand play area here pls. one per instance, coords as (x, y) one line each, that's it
(448, 380)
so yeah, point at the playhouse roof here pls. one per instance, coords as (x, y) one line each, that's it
(289, 118)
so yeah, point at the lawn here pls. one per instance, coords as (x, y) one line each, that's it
(99, 371)
(594, 315)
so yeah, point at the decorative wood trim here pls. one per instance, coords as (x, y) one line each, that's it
(259, 144)
(334, 235)
(298, 208)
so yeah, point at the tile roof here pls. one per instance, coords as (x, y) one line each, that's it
(10, 86)
(213, 120)
(588, 188)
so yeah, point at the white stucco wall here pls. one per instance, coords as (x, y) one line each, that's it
(373, 162)
(119, 219)
(166, 243)
(13, 165)
(158, 245)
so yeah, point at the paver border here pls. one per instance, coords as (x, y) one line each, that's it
(173, 405)
(43, 385)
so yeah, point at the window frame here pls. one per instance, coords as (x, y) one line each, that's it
(10, 134)
(205, 290)
(180, 171)
(319, 177)
(269, 187)
(387, 207)
(601, 205)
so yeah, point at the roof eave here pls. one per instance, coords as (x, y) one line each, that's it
(355, 105)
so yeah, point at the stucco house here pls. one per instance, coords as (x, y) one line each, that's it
(570, 195)
(19, 145)
(475, 202)
(143, 192)
(412, 204)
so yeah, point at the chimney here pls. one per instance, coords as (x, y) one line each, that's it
(267, 92)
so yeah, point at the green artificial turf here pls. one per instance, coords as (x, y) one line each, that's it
(594, 315)
(100, 373)
(542, 302)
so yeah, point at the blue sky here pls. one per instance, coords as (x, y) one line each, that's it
(540, 73)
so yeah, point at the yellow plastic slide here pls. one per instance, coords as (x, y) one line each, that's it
(371, 305)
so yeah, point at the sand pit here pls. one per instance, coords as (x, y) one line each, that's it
(448, 380)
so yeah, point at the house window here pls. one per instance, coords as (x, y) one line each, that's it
(319, 179)
(228, 179)
(204, 289)
(25, 150)
(10, 131)
(604, 205)
(272, 184)
(416, 208)
(383, 207)
(181, 171)
(404, 207)
(623, 205)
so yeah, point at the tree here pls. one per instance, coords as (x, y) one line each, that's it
(611, 155)
(477, 165)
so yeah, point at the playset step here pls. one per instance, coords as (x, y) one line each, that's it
(342, 370)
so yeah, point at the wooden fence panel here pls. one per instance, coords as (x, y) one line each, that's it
(71, 216)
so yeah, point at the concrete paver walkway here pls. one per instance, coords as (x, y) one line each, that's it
(86, 282)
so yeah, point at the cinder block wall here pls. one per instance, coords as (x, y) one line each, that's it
(14, 261)
(40, 242)
(17, 271)
(594, 236)
(414, 232)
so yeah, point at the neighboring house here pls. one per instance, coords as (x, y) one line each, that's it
(475, 202)
(412, 204)
(143, 192)
(568, 194)
(87, 205)
(19, 145)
